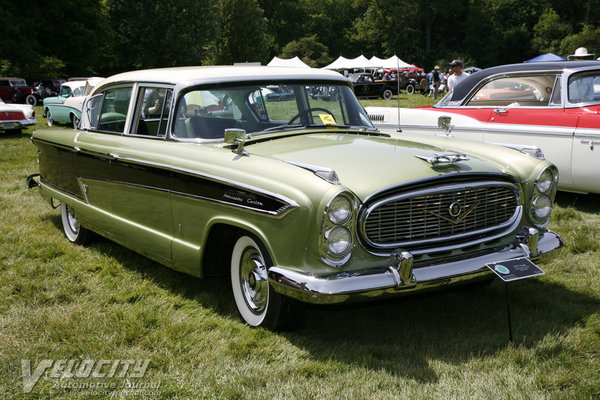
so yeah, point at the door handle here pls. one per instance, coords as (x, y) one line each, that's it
(500, 110)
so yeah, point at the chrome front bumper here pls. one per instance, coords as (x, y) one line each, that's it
(399, 277)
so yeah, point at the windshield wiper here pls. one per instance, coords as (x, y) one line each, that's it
(284, 126)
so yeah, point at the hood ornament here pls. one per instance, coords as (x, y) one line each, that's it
(444, 158)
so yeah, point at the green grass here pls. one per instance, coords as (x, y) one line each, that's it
(61, 301)
(406, 100)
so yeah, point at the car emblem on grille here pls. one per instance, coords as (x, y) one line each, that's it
(455, 211)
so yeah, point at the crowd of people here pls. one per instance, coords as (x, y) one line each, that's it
(438, 81)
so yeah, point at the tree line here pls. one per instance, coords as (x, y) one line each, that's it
(101, 37)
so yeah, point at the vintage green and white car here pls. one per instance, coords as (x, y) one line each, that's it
(297, 197)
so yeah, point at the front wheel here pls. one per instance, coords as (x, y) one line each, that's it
(73, 230)
(387, 94)
(257, 303)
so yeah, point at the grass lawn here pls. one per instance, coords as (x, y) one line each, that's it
(60, 301)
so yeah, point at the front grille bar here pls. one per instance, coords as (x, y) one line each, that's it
(449, 213)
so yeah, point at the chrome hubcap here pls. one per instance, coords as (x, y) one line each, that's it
(253, 280)
(73, 224)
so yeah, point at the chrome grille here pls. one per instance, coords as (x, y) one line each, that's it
(441, 214)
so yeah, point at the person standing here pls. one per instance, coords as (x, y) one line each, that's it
(581, 54)
(457, 74)
(435, 78)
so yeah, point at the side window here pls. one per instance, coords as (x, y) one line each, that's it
(93, 106)
(515, 91)
(556, 99)
(114, 110)
(78, 91)
(152, 113)
(205, 114)
(584, 87)
(65, 91)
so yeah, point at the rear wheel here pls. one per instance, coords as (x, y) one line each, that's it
(31, 99)
(49, 119)
(387, 94)
(410, 89)
(73, 230)
(257, 303)
(75, 121)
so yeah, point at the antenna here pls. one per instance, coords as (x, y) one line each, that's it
(399, 129)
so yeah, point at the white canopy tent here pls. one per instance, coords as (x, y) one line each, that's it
(287, 62)
(362, 62)
(393, 62)
(341, 63)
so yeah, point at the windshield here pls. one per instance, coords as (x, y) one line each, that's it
(266, 107)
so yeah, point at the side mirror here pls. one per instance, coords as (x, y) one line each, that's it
(444, 122)
(239, 136)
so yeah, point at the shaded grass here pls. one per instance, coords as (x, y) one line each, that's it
(61, 301)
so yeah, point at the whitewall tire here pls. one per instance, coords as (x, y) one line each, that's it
(257, 303)
(73, 230)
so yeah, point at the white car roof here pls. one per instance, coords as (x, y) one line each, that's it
(188, 76)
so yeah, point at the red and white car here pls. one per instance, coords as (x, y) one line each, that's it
(15, 117)
(552, 106)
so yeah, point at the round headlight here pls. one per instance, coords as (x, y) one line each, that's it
(545, 181)
(340, 210)
(339, 240)
(542, 207)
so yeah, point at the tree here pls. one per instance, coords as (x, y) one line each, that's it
(549, 32)
(162, 33)
(589, 38)
(244, 34)
(38, 40)
(309, 50)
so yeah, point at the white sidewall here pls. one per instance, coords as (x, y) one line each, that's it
(236, 256)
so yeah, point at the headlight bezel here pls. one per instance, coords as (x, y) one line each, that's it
(330, 225)
(544, 189)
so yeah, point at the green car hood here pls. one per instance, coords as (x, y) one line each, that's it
(365, 164)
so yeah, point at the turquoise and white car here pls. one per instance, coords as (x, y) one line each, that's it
(66, 107)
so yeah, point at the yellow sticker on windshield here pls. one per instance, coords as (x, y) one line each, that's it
(327, 119)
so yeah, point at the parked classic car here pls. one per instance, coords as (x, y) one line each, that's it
(15, 117)
(66, 107)
(16, 90)
(365, 85)
(297, 200)
(47, 87)
(553, 106)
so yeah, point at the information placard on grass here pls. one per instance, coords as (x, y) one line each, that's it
(512, 270)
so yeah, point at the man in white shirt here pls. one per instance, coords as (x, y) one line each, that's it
(457, 74)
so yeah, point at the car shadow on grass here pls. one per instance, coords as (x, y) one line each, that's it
(404, 336)
(581, 202)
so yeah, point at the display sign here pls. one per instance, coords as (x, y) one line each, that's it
(512, 270)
